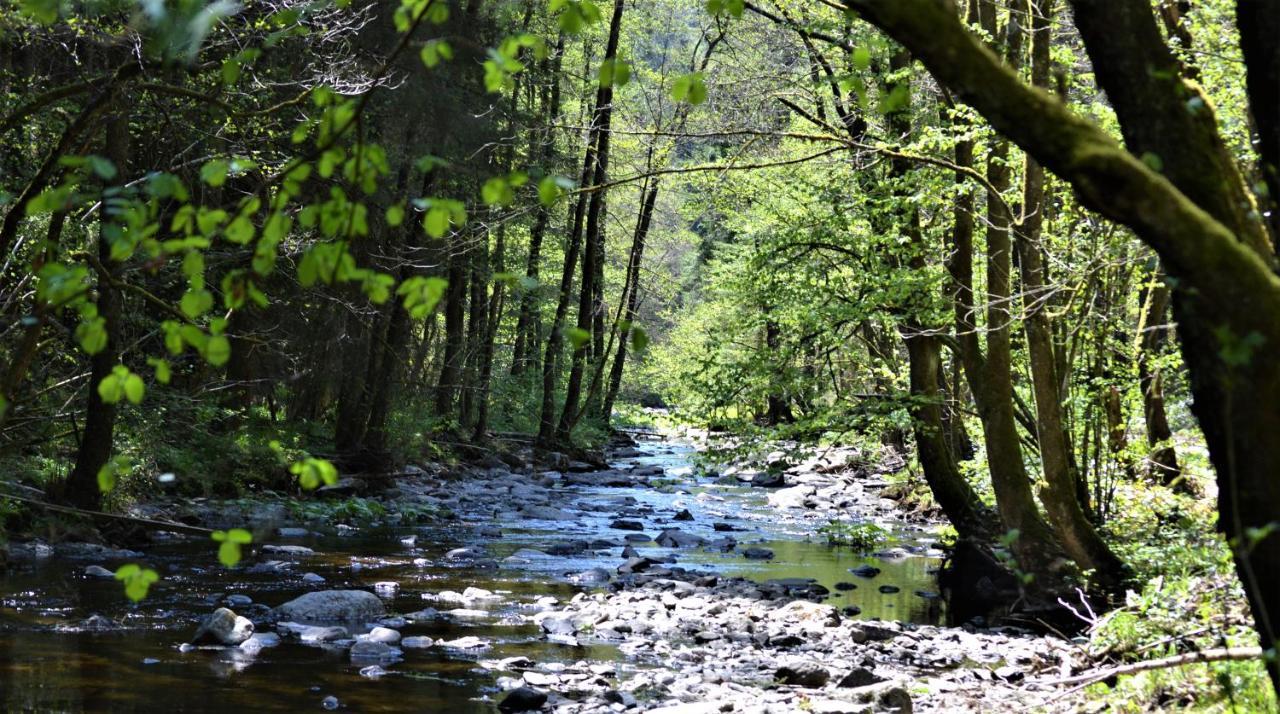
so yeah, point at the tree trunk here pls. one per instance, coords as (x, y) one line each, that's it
(593, 255)
(632, 296)
(454, 327)
(1162, 461)
(1075, 532)
(1227, 300)
(98, 438)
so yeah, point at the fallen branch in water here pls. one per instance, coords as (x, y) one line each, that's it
(158, 525)
(1202, 657)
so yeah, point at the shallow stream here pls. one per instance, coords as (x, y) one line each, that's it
(48, 663)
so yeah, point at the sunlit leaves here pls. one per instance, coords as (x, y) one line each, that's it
(231, 540)
(313, 473)
(690, 88)
(137, 580)
(395, 214)
(121, 384)
(44, 12)
(577, 336)
(500, 190)
(732, 8)
(421, 294)
(575, 14)
(861, 58)
(553, 188)
(614, 72)
(440, 213)
(434, 52)
(111, 472)
(410, 11)
(91, 334)
(195, 303)
(503, 63)
(163, 371)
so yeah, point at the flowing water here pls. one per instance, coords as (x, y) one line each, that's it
(47, 664)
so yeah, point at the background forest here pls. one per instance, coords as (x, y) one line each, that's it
(249, 247)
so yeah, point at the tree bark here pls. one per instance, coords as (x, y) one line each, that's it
(1227, 300)
(593, 253)
(98, 439)
(1075, 531)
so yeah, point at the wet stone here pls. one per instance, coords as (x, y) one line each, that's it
(757, 553)
(804, 674)
(865, 571)
(522, 699)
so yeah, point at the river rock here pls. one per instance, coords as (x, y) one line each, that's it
(333, 606)
(223, 627)
(416, 643)
(624, 525)
(522, 699)
(636, 565)
(890, 589)
(313, 634)
(545, 513)
(865, 571)
(683, 515)
(676, 538)
(859, 677)
(382, 634)
(803, 674)
(756, 553)
(368, 650)
(97, 571)
(289, 551)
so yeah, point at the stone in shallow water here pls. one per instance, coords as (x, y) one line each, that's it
(416, 643)
(683, 515)
(330, 702)
(522, 699)
(368, 650)
(382, 634)
(97, 571)
(623, 525)
(223, 627)
(890, 589)
(465, 643)
(757, 553)
(846, 586)
(865, 571)
(803, 674)
(333, 606)
(860, 677)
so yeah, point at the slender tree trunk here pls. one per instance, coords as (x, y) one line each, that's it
(454, 328)
(1075, 532)
(593, 255)
(98, 438)
(1162, 461)
(632, 295)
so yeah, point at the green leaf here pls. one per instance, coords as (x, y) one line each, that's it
(92, 335)
(240, 231)
(577, 336)
(137, 580)
(134, 389)
(163, 371)
(217, 350)
(102, 166)
(726, 7)
(195, 303)
(421, 295)
(214, 172)
(395, 214)
(614, 73)
(691, 88)
(639, 339)
(313, 472)
(862, 58)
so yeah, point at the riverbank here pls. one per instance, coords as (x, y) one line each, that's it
(641, 586)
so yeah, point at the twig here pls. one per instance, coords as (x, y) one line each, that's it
(1203, 656)
(159, 525)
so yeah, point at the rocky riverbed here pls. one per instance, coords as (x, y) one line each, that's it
(646, 585)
